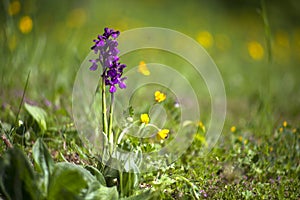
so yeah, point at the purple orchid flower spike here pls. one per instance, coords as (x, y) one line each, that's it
(107, 47)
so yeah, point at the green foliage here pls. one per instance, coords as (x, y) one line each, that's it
(258, 161)
(70, 181)
(103, 193)
(38, 114)
(44, 162)
(18, 180)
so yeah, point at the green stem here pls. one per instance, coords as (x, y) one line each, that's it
(22, 100)
(104, 109)
(121, 183)
(110, 124)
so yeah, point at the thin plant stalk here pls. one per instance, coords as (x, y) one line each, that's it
(104, 108)
(22, 99)
(110, 124)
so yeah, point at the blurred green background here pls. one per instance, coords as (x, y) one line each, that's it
(52, 38)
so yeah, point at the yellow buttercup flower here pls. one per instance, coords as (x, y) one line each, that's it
(280, 130)
(159, 96)
(25, 24)
(205, 39)
(284, 124)
(233, 129)
(143, 69)
(240, 138)
(163, 134)
(14, 8)
(145, 118)
(255, 50)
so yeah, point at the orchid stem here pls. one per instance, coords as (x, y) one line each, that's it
(104, 117)
(110, 124)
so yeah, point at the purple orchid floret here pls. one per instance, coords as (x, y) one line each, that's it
(107, 48)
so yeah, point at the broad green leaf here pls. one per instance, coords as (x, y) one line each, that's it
(17, 178)
(97, 174)
(103, 193)
(43, 161)
(38, 114)
(71, 181)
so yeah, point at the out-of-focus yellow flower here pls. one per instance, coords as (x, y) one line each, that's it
(240, 138)
(163, 134)
(245, 141)
(201, 126)
(12, 42)
(76, 18)
(294, 130)
(205, 39)
(145, 118)
(159, 96)
(280, 130)
(25, 24)
(233, 129)
(14, 8)
(255, 50)
(143, 69)
(271, 149)
(284, 124)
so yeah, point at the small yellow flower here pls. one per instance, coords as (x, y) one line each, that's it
(271, 149)
(25, 24)
(14, 8)
(145, 118)
(205, 39)
(280, 130)
(245, 141)
(233, 129)
(294, 130)
(240, 138)
(255, 50)
(284, 124)
(143, 69)
(201, 126)
(163, 134)
(159, 96)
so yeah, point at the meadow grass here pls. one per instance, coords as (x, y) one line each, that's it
(257, 155)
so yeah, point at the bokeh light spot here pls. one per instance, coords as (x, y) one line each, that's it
(205, 39)
(255, 50)
(25, 24)
(14, 8)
